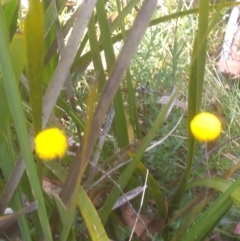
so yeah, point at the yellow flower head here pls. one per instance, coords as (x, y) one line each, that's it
(205, 127)
(50, 143)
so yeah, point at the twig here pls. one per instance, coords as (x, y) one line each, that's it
(101, 141)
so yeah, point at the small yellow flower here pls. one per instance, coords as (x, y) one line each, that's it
(205, 127)
(50, 143)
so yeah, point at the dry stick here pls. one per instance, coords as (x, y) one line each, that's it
(61, 45)
(73, 180)
(101, 141)
(53, 92)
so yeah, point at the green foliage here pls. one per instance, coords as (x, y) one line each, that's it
(98, 75)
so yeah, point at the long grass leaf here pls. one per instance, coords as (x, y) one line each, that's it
(14, 101)
(34, 52)
(220, 185)
(96, 57)
(11, 17)
(202, 49)
(200, 229)
(119, 123)
(91, 218)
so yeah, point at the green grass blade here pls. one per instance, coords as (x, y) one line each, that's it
(14, 101)
(91, 218)
(202, 49)
(119, 122)
(96, 57)
(4, 108)
(187, 221)
(129, 7)
(63, 214)
(211, 224)
(11, 17)
(52, 49)
(49, 16)
(35, 54)
(220, 185)
(17, 52)
(201, 229)
(133, 113)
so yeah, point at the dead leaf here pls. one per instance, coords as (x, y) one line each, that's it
(128, 196)
(50, 186)
(130, 216)
(145, 226)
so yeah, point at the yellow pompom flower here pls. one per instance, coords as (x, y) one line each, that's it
(205, 127)
(50, 143)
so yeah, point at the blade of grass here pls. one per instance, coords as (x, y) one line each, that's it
(18, 58)
(96, 57)
(11, 17)
(202, 49)
(14, 101)
(63, 214)
(49, 17)
(220, 185)
(133, 114)
(203, 226)
(91, 218)
(34, 52)
(119, 122)
(52, 49)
